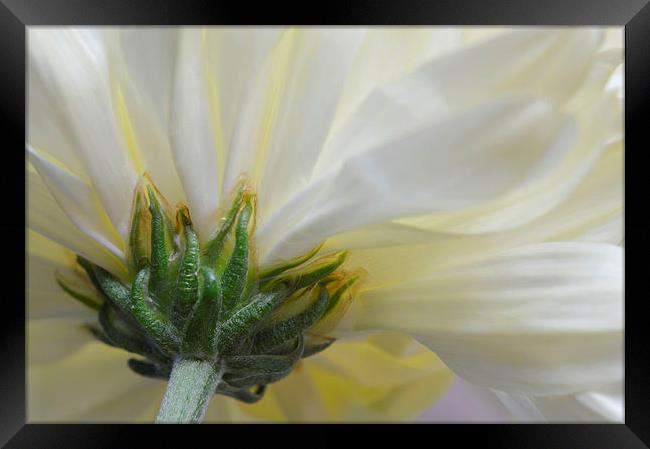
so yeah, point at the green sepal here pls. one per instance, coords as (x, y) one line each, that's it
(264, 362)
(98, 334)
(246, 371)
(237, 272)
(85, 297)
(245, 321)
(108, 284)
(209, 302)
(162, 248)
(293, 326)
(187, 283)
(140, 234)
(312, 348)
(272, 271)
(338, 293)
(148, 369)
(201, 330)
(214, 248)
(311, 273)
(242, 394)
(156, 327)
(119, 333)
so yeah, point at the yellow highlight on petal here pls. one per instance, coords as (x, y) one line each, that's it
(212, 82)
(281, 57)
(126, 126)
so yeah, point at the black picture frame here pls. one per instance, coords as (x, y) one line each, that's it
(16, 15)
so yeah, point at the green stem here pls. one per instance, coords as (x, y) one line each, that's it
(191, 386)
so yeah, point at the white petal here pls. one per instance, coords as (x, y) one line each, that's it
(456, 162)
(540, 319)
(142, 63)
(591, 213)
(596, 115)
(74, 66)
(387, 54)
(45, 216)
(45, 298)
(139, 403)
(550, 63)
(47, 125)
(214, 70)
(93, 376)
(302, 98)
(51, 340)
(79, 202)
(603, 405)
(467, 403)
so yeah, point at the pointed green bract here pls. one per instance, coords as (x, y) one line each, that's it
(187, 283)
(214, 248)
(295, 325)
(87, 298)
(110, 286)
(208, 302)
(236, 274)
(311, 273)
(338, 293)
(119, 333)
(147, 369)
(201, 329)
(245, 320)
(314, 348)
(157, 327)
(140, 234)
(271, 272)
(162, 248)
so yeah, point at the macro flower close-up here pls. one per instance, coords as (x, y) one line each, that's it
(324, 224)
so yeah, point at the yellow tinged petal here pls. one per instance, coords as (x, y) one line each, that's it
(126, 126)
(92, 376)
(350, 381)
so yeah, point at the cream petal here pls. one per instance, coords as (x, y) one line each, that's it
(139, 403)
(476, 156)
(541, 319)
(592, 212)
(51, 340)
(142, 63)
(45, 298)
(73, 64)
(358, 362)
(467, 403)
(331, 387)
(603, 405)
(214, 72)
(337, 385)
(66, 390)
(47, 126)
(148, 57)
(79, 202)
(550, 63)
(596, 114)
(387, 54)
(45, 216)
(301, 101)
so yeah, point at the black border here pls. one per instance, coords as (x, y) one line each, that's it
(15, 15)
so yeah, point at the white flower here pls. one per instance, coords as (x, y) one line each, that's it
(476, 178)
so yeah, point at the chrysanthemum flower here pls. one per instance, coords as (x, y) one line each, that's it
(474, 178)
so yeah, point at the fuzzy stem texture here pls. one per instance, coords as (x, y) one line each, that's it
(191, 386)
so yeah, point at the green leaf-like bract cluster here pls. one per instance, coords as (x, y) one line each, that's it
(210, 302)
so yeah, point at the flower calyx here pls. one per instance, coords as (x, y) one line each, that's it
(210, 301)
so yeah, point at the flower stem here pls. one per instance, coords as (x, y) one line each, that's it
(191, 386)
